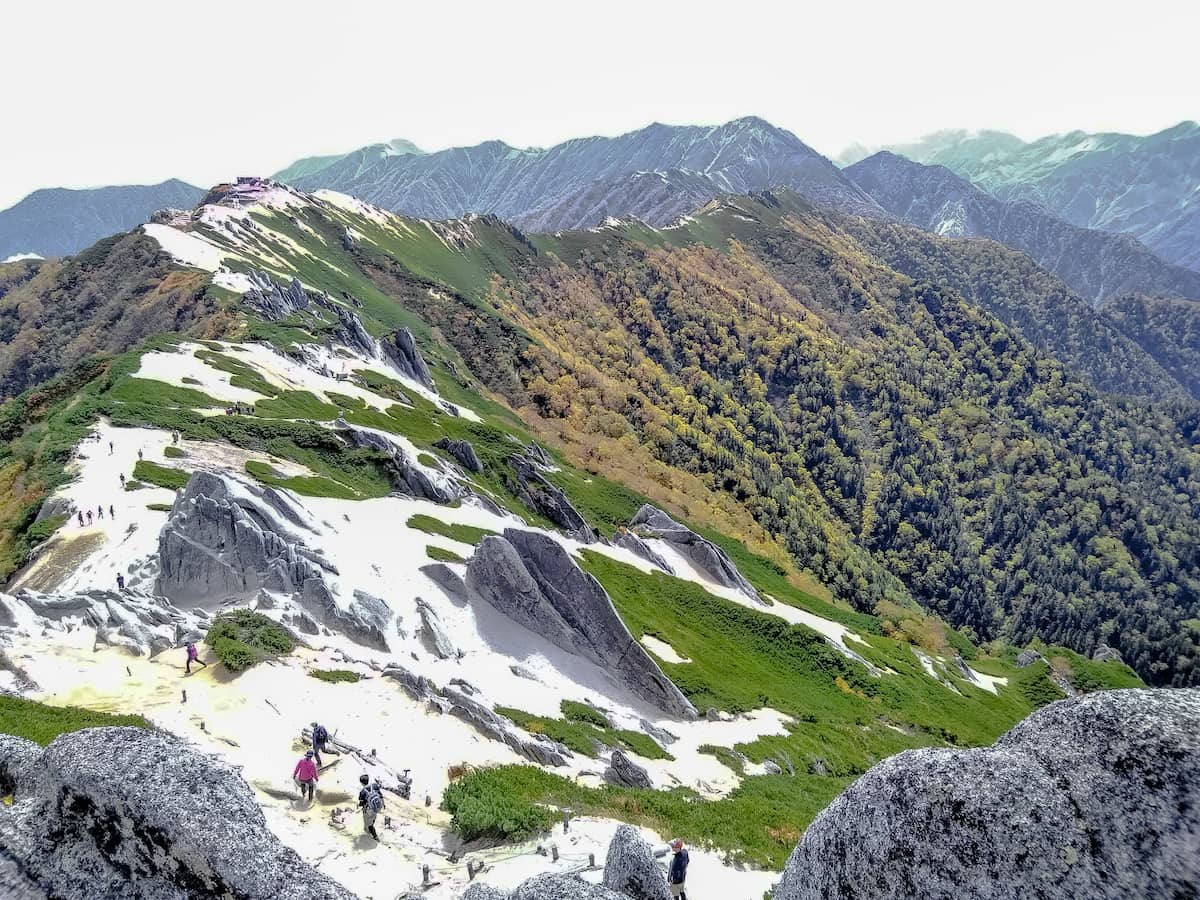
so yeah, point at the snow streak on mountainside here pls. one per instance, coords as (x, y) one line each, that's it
(657, 174)
(1146, 186)
(57, 221)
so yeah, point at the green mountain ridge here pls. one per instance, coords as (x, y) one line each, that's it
(764, 370)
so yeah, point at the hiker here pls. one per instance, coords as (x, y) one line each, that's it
(100, 511)
(120, 582)
(122, 479)
(678, 873)
(319, 737)
(89, 517)
(110, 448)
(370, 801)
(111, 512)
(194, 657)
(79, 512)
(174, 437)
(139, 454)
(306, 776)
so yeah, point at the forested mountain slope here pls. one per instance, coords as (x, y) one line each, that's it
(764, 367)
(1096, 264)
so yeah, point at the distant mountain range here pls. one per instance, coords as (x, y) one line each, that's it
(1097, 264)
(60, 221)
(1146, 186)
(658, 174)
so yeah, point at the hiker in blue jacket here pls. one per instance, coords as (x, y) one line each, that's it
(678, 873)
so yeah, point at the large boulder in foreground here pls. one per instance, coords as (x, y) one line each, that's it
(139, 815)
(533, 580)
(1095, 797)
(631, 869)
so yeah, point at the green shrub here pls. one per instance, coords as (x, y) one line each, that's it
(173, 453)
(442, 555)
(43, 529)
(477, 810)
(466, 534)
(243, 638)
(159, 507)
(41, 723)
(162, 476)
(335, 676)
(575, 711)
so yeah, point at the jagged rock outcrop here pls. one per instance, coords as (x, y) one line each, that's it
(1105, 653)
(538, 748)
(434, 632)
(533, 580)
(227, 538)
(131, 814)
(400, 349)
(407, 476)
(448, 580)
(461, 450)
(351, 332)
(1095, 797)
(703, 553)
(631, 869)
(230, 539)
(537, 492)
(627, 540)
(142, 624)
(271, 300)
(1027, 658)
(624, 772)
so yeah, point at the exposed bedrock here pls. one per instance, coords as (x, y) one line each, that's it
(140, 815)
(1096, 797)
(533, 580)
(407, 476)
(650, 521)
(400, 349)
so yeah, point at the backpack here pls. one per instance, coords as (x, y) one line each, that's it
(375, 799)
(320, 735)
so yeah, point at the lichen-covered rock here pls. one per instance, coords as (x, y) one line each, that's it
(533, 580)
(401, 351)
(131, 814)
(17, 757)
(631, 869)
(1095, 797)
(484, 892)
(624, 772)
(461, 450)
(703, 553)
(562, 887)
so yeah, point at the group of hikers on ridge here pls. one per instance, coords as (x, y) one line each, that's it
(307, 773)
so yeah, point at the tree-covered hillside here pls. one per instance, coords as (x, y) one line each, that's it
(865, 399)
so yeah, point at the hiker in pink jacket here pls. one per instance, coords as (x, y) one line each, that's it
(306, 775)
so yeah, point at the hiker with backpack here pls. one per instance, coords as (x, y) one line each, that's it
(193, 656)
(677, 876)
(370, 801)
(319, 738)
(306, 775)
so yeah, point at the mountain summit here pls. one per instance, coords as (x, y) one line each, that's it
(658, 173)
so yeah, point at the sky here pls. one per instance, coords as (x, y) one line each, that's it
(128, 92)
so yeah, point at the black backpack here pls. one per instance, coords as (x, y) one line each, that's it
(320, 735)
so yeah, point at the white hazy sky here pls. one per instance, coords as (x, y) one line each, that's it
(135, 92)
